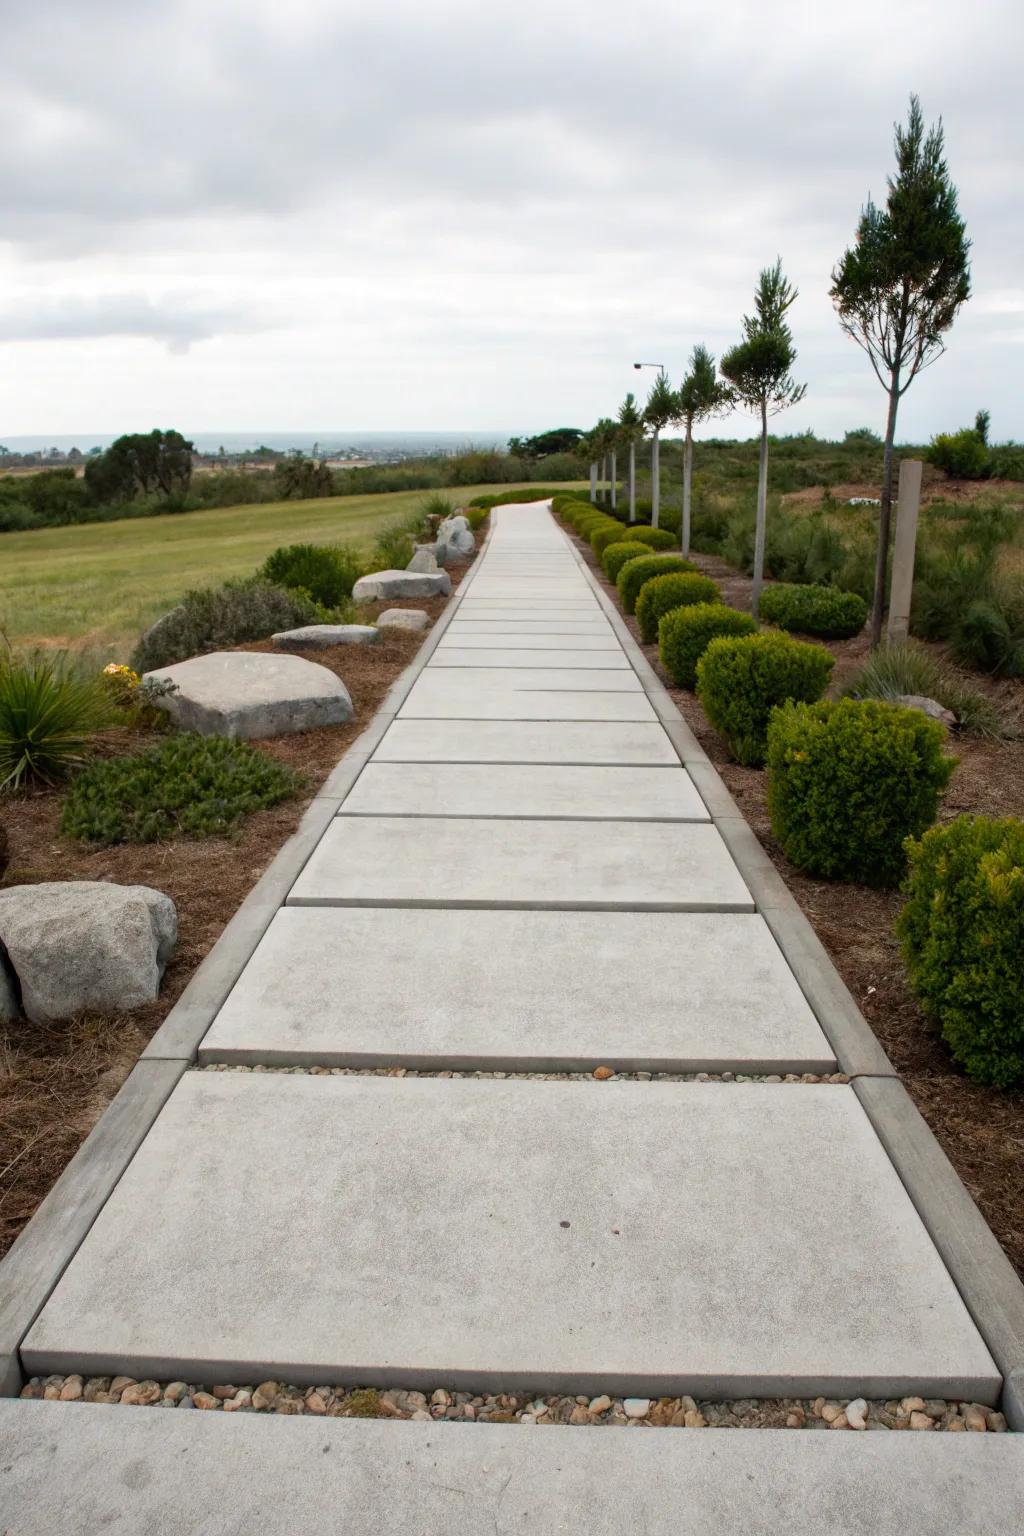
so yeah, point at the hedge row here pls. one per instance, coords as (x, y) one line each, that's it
(812, 610)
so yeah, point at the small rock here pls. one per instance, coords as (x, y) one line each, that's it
(205, 1400)
(315, 1403)
(840, 1422)
(920, 1420)
(421, 1415)
(119, 1383)
(580, 1416)
(975, 1419)
(857, 1414)
(241, 1399)
(403, 618)
(636, 1407)
(912, 1405)
(795, 1421)
(830, 1412)
(424, 558)
(600, 1404)
(930, 707)
(440, 1398)
(268, 1391)
(694, 1419)
(602, 1074)
(996, 1421)
(224, 1392)
(175, 1391)
(72, 1389)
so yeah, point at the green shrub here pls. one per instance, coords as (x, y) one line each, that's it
(327, 572)
(392, 549)
(740, 681)
(643, 568)
(49, 713)
(813, 610)
(212, 617)
(477, 517)
(849, 782)
(616, 555)
(679, 589)
(684, 634)
(654, 538)
(442, 507)
(962, 932)
(903, 668)
(190, 785)
(604, 534)
(961, 455)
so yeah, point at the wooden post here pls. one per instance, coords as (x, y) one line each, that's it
(902, 588)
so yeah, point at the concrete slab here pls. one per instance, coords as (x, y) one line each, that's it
(521, 625)
(526, 741)
(451, 694)
(441, 861)
(639, 1240)
(465, 637)
(522, 675)
(544, 791)
(519, 991)
(454, 656)
(249, 1472)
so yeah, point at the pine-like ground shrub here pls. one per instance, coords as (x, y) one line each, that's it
(213, 617)
(679, 589)
(616, 555)
(684, 634)
(740, 681)
(812, 610)
(49, 713)
(188, 786)
(327, 572)
(962, 934)
(644, 568)
(849, 782)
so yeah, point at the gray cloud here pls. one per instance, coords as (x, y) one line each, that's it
(75, 317)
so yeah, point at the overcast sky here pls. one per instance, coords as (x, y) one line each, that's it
(304, 214)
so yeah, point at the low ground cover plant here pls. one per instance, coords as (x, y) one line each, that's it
(814, 610)
(741, 680)
(616, 555)
(189, 785)
(684, 634)
(325, 572)
(962, 934)
(906, 669)
(222, 616)
(643, 568)
(849, 782)
(678, 589)
(50, 710)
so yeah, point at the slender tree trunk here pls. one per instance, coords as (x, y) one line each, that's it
(593, 482)
(615, 477)
(762, 516)
(884, 519)
(687, 478)
(632, 482)
(655, 478)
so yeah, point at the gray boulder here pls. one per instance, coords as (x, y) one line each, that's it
(457, 534)
(85, 946)
(424, 558)
(380, 585)
(403, 618)
(930, 707)
(248, 694)
(317, 637)
(10, 1008)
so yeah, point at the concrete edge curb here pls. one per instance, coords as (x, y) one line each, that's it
(43, 1250)
(49, 1242)
(983, 1275)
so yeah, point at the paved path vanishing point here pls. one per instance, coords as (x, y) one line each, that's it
(524, 879)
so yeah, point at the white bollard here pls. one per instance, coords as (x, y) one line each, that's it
(901, 588)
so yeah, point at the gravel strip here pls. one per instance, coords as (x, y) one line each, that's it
(504, 1408)
(599, 1074)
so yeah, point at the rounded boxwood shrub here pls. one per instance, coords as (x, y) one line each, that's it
(328, 572)
(616, 555)
(643, 568)
(190, 785)
(849, 782)
(654, 538)
(678, 589)
(684, 634)
(813, 610)
(962, 932)
(740, 681)
(608, 532)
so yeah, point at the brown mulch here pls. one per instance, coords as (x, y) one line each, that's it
(55, 1083)
(980, 1129)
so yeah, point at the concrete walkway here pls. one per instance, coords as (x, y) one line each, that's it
(523, 879)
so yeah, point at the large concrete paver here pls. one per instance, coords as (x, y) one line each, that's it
(519, 991)
(441, 694)
(541, 790)
(209, 1474)
(467, 862)
(552, 659)
(525, 676)
(629, 1237)
(470, 639)
(526, 741)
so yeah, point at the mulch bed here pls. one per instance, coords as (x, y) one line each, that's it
(55, 1083)
(980, 1129)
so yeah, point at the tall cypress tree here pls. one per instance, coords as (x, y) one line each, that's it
(701, 394)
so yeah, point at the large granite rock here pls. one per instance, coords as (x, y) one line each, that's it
(403, 618)
(424, 558)
(318, 637)
(83, 946)
(10, 1008)
(384, 584)
(249, 694)
(456, 533)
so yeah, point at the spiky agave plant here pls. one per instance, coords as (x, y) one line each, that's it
(49, 713)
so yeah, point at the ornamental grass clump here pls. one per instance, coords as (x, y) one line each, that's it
(740, 681)
(635, 573)
(679, 589)
(962, 933)
(814, 610)
(849, 782)
(616, 555)
(188, 786)
(49, 713)
(684, 634)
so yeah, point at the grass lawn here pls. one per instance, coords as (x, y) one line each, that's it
(99, 585)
